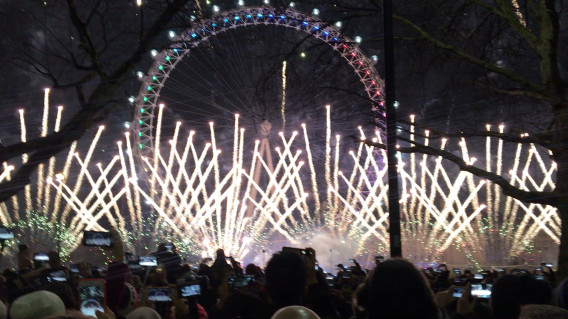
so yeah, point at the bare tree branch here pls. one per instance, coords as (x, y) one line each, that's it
(505, 11)
(85, 36)
(94, 110)
(536, 88)
(535, 197)
(542, 139)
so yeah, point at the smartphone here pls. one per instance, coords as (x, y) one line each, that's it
(190, 290)
(500, 270)
(57, 276)
(457, 271)
(352, 260)
(74, 268)
(379, 258)
(228, 259)
(299, 251)
(134, 265)
(6, 233)
(148, 261)
(97, 239)
(457, 292)
(538, 269)
(41, 257)
(539, 277)
(159, 294)
(478, 276)
(169, 247)
(92, 296)
(549, 265)
(481, 291)
(244, 281)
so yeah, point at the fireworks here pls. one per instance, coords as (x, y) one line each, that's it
(275, 194)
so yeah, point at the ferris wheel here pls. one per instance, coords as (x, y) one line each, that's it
(202, 71)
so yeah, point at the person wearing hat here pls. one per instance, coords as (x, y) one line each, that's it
(36, 305)
(294, 312)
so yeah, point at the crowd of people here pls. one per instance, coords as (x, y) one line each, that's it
(291, 285)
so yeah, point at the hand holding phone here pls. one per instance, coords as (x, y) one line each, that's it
(457, 292)
(6, 233)
(159, 293)
(190, 290)
(60, 275)
(92, 296)
(466, 304)
(482, 291)
(148, 261)
(74, 268)
(41, 257)
(97, 239)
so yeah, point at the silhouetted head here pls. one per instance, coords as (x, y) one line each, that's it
(286, 278)
(510, 292)
(253, 270)
(220, 254)
(397, 289)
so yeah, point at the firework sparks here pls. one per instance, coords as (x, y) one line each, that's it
(194, 199)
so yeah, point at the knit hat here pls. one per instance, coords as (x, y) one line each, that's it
(36, 305)
(143, 313)
(295, 312)
(129, 299)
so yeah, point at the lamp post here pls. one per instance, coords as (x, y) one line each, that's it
(390, 98)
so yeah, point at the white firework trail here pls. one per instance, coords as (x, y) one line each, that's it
(206, 205)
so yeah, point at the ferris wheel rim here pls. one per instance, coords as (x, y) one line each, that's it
(165, 61)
